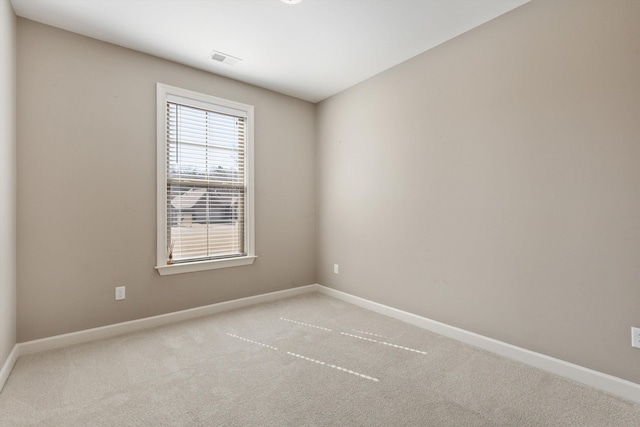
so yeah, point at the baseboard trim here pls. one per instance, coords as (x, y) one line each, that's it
(598, 380)
(87, 335)
(7, 366)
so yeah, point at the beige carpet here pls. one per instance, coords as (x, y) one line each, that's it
(303, 361)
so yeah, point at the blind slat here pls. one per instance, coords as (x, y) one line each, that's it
(205, 183)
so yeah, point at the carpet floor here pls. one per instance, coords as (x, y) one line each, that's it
(310, 360)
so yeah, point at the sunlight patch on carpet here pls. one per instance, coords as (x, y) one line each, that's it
(383, 343)
(252, 342)
(357, 336)
(369, 333)
(306, 324)
(348, 371)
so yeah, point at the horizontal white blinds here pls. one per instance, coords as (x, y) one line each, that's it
(205, 183)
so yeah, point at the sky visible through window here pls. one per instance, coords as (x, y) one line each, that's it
(205, 183)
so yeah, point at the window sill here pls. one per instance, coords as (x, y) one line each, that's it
(191, 267)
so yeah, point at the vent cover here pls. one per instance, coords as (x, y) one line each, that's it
(224, 58)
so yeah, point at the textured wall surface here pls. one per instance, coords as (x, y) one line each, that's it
(87, 186)
(492, 183)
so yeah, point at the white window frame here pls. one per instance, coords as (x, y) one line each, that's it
(166, 93)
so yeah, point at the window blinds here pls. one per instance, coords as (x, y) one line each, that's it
(206, 188)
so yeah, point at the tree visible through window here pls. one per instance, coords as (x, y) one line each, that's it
(205, 179)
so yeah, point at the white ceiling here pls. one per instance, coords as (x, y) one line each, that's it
(310, 50)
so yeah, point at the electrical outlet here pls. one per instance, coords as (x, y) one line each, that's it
(335, 268)
(120, 292)
(635, 337)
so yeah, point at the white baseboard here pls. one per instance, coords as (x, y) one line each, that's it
(608, 383)
(598, 380)
(116, 329)
(7, 366)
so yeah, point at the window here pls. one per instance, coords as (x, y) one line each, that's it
(205, 182)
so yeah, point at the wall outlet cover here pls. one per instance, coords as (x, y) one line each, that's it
(120, 293)
(635, 337)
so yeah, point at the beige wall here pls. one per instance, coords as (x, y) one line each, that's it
(490, 183)
(493, 183)
(87, 179)
(7, 180)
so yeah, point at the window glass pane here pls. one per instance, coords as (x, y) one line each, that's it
(205, 184)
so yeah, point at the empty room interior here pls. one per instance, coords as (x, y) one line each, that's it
(318, 212)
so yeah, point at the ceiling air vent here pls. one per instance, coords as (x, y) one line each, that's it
(224, 58)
